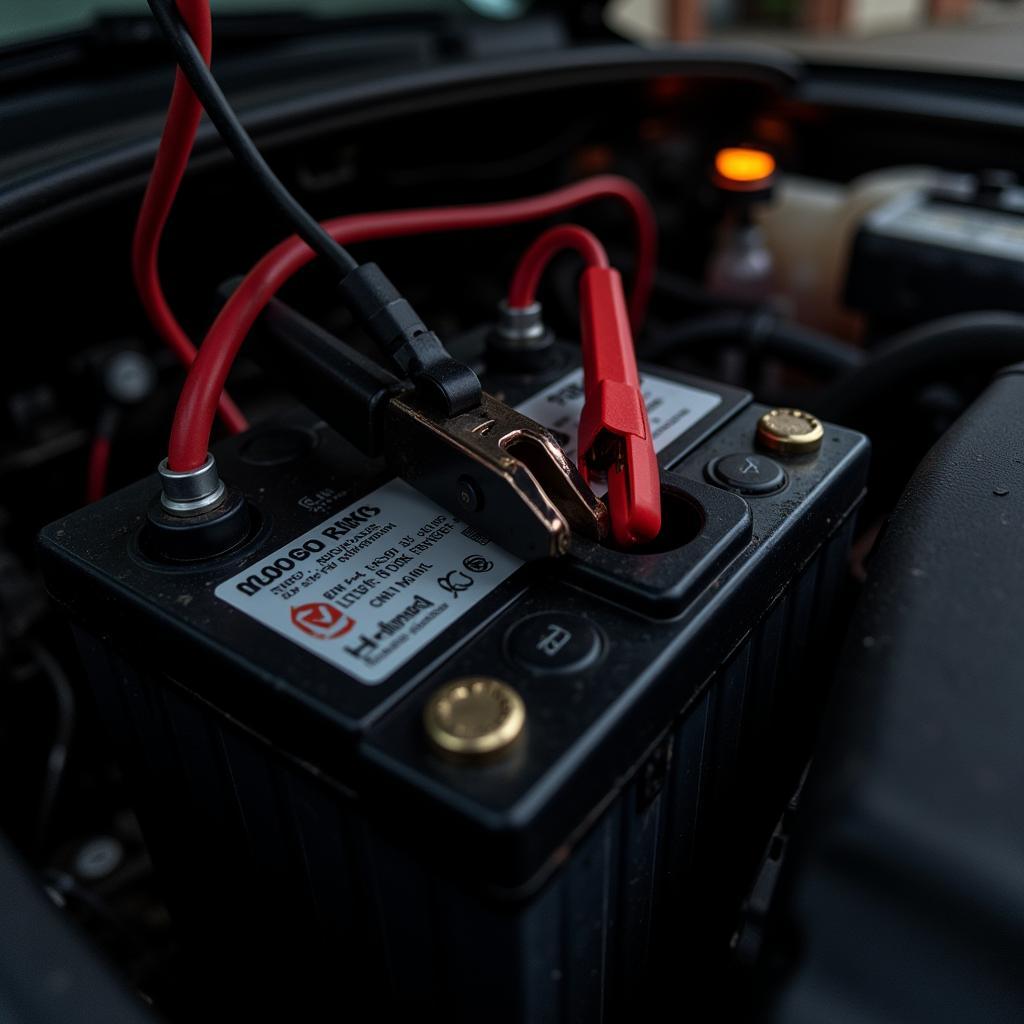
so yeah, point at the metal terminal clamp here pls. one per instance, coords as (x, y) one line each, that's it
(492, 467)
(189, 492)
(500, 471)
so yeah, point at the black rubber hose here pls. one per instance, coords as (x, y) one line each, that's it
(760, 333)
(687, 292)
(968, 341)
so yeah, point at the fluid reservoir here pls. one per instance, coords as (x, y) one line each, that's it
(808, 229)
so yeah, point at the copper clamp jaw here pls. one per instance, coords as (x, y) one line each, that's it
(499, 471)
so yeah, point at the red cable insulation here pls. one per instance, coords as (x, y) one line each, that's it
(183, 114)
(614, 405)
(193, 419)
(99, 464)
(523, 289)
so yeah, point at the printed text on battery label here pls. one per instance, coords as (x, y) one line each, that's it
(370, 587)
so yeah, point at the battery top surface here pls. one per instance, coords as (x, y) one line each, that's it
(357, 599)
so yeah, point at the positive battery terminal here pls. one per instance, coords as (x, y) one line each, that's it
(191, 491)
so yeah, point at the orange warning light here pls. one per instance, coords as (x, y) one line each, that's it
(742, 168)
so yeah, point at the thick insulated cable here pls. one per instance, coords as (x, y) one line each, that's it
(522, 291)
(952, 344)
(183, 116)
(193, 63)
(190, 434)
(758, 331)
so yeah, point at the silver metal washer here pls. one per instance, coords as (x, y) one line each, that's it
(521, 327)
(192, 491)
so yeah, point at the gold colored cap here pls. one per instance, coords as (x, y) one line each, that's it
(790, 432)
(474, 716)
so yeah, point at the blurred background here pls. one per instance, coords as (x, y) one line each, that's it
(983, 36)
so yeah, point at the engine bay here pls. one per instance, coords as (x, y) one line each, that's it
(391, 729)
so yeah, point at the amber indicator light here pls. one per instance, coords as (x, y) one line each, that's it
(743, 168)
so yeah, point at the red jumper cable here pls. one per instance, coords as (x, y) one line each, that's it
(189, 466)
(183, 116)
(193, 419)
(99, 456)
(190, 435)
(614, 433)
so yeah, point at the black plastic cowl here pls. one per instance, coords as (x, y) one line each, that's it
(904, 900)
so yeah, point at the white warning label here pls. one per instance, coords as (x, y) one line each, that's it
(672, 408)
(370, 587)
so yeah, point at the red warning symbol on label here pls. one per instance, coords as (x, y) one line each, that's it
(322, 620)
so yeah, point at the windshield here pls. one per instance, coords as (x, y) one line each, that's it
(30, 19)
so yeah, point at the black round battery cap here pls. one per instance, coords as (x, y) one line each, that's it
(747, 472)
(554, 642)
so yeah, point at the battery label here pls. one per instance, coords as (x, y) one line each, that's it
(371, 586)
(672, 408)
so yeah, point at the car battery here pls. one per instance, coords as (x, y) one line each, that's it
(949, 249)
(380, 762)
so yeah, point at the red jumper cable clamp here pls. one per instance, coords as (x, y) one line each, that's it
(614, 434)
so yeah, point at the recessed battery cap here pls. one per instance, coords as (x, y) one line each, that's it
(789, 432)
(474, 716)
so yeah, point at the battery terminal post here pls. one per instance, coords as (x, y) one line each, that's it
(195, 517)
(191, 491)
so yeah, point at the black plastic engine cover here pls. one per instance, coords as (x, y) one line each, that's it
(906, 899)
